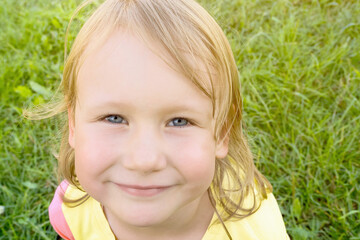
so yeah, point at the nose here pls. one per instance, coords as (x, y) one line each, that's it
(145, 152)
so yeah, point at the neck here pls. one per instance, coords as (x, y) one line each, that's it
(189, 222)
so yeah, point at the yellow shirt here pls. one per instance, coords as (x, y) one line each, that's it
(87, 221)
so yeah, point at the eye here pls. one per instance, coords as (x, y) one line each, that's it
(115, 119)
(178, 122)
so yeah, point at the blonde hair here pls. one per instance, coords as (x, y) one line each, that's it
(199, 50)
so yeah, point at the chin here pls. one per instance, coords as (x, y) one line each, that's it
(144, 221)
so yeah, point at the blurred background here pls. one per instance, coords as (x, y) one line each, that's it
(299, 63)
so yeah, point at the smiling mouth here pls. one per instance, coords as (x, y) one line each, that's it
(142, 191)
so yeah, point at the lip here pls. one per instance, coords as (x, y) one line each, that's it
(143, 191)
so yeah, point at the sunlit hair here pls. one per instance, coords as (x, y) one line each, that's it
(194, 45)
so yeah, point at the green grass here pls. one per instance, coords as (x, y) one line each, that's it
(300, 68)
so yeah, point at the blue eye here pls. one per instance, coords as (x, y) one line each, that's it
(115, 119)
(178, 122)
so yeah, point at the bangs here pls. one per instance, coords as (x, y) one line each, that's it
(191, 41)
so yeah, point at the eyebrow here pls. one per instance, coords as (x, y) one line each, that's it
(176, 107)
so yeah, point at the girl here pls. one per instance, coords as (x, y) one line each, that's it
(153, 147)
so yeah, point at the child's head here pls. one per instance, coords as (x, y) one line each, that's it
(172, 67)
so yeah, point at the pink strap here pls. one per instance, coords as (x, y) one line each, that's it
(56, 215)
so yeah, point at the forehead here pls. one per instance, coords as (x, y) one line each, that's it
(126, 69)
(190, 62)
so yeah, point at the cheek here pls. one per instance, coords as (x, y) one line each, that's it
(93, 154)
(195, 159)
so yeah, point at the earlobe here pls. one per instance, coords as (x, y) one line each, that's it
(71, 128)
(222, 147)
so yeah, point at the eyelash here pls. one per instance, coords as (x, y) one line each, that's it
(106, 118)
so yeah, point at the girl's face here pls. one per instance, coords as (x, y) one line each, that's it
(142, 134)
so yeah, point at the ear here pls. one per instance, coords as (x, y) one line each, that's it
(71, 121)
(222, 147)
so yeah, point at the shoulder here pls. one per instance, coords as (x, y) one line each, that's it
(56, 215)
(265, 224)
(85, 220)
